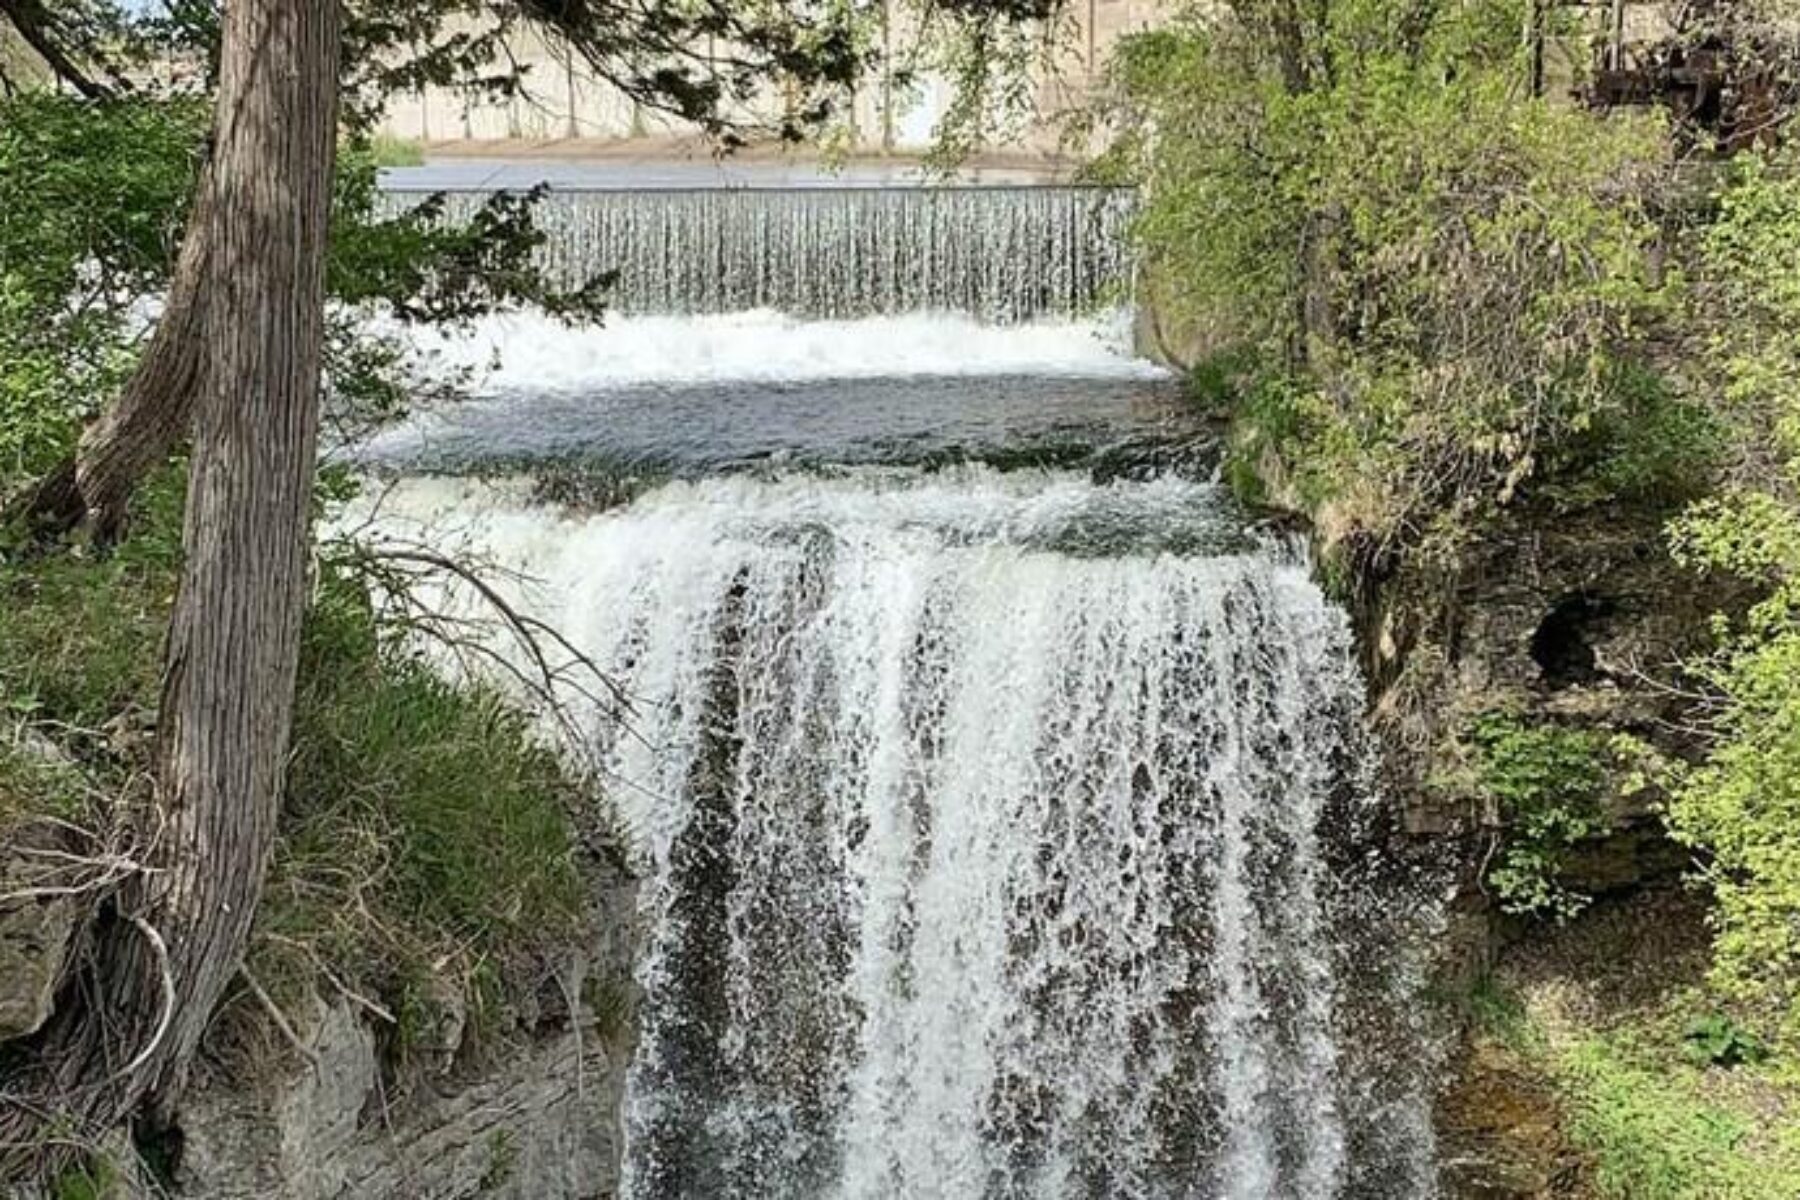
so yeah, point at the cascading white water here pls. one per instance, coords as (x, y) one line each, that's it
(997, 253)
(981, 815)
(1004, 833)
(529, 354)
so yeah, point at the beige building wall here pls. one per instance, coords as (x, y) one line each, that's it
(562, 100)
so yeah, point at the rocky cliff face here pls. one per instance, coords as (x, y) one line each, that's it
(541, 1119)
(36, 932)
(324, 1113)
(1570, 621)
(1576, 619)
(533, 1113)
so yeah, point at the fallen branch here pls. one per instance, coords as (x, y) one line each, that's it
(275, 1014)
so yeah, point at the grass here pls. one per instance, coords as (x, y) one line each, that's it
(425, 841)
(33, 784)
(1610, 1031)
(80, 638)
(1654, 1131)
(424, 860)
(80, 664)
(391, 151)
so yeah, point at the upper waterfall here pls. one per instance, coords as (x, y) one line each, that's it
(999, 253)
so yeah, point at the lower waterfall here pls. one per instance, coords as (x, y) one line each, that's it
(1001, 836)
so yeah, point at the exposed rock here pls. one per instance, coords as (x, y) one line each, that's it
(36, 934)
(537, 1117)
(540, 1122)
(1556, 617)
(438, 1044)
(1500, 1133)
(34, 942)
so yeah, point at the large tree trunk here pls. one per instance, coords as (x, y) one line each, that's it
(234, 638)
(139, 430)
(227, 703)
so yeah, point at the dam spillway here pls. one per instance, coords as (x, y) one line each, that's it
(1001, 254)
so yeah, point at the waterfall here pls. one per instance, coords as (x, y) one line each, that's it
(999, 834)
(999, 792)
(1002, 254)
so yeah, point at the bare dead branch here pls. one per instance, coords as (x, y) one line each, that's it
(278, 1017)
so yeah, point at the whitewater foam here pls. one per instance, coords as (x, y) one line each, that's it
(530, 352)
(982, 835)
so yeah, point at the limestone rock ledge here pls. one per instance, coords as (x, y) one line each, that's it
(541, 1121)
(35, 937)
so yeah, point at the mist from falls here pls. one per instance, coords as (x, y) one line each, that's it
(1005, 821)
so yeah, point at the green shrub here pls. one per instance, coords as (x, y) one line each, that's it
(96, 1180)
(1656, 447)
(1546, 781)
(81, 639)
(1714, 1039)
(1741, 808)
(90, 203)
(1445, 285)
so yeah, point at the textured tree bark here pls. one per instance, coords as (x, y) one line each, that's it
(140, 429)
(154, 412)
(228, 689)
(177, 936)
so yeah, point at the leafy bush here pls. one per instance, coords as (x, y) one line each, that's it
(1546, 781)
(1714, 1039)
(91, 193)
(91, 197)
(1445, 284)
(1657, 447)
(1741, 807)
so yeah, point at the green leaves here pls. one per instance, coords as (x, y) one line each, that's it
(1714, 1039)
(91, 200)
(1740, 808)
(1546, 781)
(1451, 278)
(92, 194)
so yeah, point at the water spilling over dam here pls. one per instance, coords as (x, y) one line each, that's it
(997, 253)
(997, 783)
